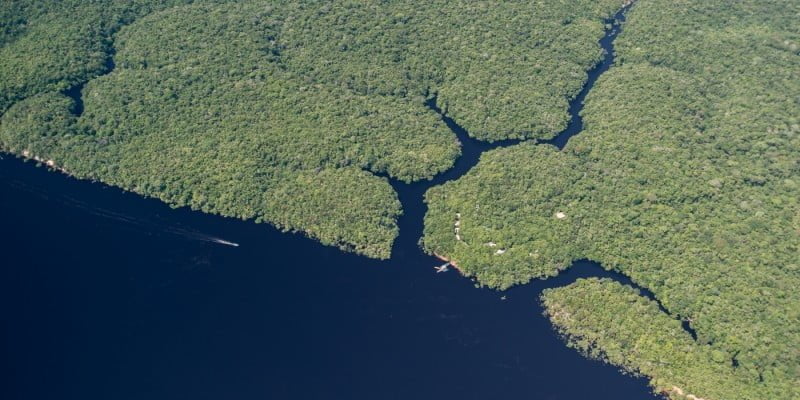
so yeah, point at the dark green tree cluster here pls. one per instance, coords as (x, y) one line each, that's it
(685, 179)
(53, 45)
(611, 322)
(501, 70)
(283, 111)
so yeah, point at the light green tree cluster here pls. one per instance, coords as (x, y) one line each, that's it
(284, 111)
(611, 322)
(53, 45)
(685, 179)
(501, 70)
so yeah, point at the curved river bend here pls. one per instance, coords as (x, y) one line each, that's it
(104, 294)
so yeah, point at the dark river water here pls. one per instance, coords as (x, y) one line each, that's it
(107, 295)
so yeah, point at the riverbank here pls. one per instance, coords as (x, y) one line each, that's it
(133, 283)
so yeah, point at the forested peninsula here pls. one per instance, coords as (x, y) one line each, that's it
(686, 178)
(284, 111)
(302, 114)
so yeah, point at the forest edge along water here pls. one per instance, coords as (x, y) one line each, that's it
(159, 324)
(412, 194)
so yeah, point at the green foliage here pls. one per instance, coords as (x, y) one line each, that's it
(606, 320)
(685, 179)
(506, 209)
(281, 110)
(54, 45)
(77, 52)
(34, 123)
(501, 70)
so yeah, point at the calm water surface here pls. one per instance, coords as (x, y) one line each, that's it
(107, 295)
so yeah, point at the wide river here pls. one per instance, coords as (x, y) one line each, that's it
(107, 295)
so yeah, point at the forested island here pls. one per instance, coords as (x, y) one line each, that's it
(300, 114)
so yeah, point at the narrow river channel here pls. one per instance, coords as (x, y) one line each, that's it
(107, 295)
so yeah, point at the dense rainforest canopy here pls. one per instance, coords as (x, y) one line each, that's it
(284, 111)
(686, 179)
(607, 320)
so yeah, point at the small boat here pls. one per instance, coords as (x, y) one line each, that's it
(225, 242)
(442, 268)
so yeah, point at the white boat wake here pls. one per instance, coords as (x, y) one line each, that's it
(147, 226)
(225, 242)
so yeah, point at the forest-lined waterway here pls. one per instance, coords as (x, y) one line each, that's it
(412, 194)
(109, 295)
